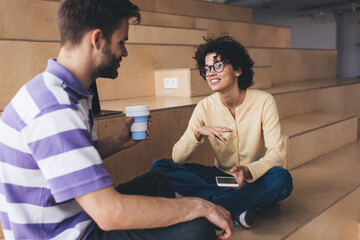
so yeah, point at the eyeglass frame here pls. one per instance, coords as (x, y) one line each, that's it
(203, 71)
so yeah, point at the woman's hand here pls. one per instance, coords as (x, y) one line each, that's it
(241, 173)
(213, 132)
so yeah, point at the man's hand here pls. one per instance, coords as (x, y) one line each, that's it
(213, 132)
(120, 141)
(221, 218)
(241, 173)
(124, 137)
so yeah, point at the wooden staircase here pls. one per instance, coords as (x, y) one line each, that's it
(319, 113)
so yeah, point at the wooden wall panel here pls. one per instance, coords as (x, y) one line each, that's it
(199, 87)
(204, 9)
(320, 142)
(165, 35)
(263, 77)
(148, 5)
(165, 19)
(15, 68)
(249, 34)
(347, 100)
(43, 24)
(291, 65)
(15, 19)
(28, 19)
(40, 53)
(183, 79)
(167, 128)
(136, 74)
(295, 103)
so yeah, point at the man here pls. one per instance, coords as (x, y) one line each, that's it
(53, 184)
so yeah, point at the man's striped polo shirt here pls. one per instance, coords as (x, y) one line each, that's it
(48, 156)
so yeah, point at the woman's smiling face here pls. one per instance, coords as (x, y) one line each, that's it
(220, 81)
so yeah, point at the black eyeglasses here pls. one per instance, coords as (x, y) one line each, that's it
(218, 67)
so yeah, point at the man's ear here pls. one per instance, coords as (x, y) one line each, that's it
(96, 36)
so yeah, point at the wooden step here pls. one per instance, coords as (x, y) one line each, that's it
(194, 8)
(324, 95)
(143, 60)
(249, 34)
(311, 135)
(349, 102)
(28, 19)
(292, 99)
(140, 65)
(35, 20)
(323, 205)
(291, 65)
(30, 57)
(191, 84)
(165, 35)
(197, 8)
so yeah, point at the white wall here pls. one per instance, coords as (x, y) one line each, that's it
(334, 31)
(307, 31)
(348, 35)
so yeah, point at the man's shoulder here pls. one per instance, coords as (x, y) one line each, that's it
(45, 91)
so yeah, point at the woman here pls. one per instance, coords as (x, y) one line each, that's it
(243, 128)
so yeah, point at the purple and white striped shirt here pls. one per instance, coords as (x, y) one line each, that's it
(48, 156)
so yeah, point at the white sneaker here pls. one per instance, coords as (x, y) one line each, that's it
(245, 219)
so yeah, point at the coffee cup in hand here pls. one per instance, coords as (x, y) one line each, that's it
(140, 124)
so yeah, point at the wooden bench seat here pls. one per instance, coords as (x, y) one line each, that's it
(326, 192)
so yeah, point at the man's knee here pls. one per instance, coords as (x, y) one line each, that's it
(200, 229)
(160, 164)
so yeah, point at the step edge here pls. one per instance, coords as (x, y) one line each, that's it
(321, 212)
(320, 127)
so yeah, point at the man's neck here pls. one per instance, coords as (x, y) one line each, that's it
(76, 61)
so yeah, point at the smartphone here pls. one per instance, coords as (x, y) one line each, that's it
(226, 182)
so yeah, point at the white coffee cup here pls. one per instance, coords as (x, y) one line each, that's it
(141, 115)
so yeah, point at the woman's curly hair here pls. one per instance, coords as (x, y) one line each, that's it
(230, 51)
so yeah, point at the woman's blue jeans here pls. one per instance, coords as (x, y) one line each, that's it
(196, 180)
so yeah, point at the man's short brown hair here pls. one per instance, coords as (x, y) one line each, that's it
(76, 17)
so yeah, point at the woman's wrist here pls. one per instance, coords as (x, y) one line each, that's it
(197, 135)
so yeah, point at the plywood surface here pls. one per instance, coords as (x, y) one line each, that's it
(136, 74)
(249, 34)
(305, 147)
(291, 65)
(167, 128)
(15, 68)
(338, 222)
(155, 103)
(294, 126)
(28, 19)
(204, 9)
(317, 186)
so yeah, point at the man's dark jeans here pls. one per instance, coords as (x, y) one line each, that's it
(197, 180)
(156, 184)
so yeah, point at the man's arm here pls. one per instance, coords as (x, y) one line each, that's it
(113, 144)
(114, 211)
